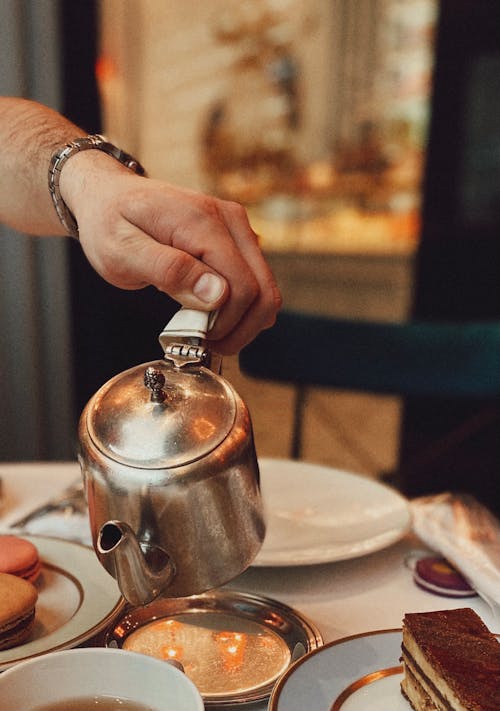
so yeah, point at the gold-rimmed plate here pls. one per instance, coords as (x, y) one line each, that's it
(355, 673)
(352, 674)
(76, 600)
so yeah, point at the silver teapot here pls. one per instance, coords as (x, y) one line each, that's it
(170, 471)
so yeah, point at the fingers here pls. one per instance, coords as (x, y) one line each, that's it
(199, 250)
(261, 312)
(136, 261)
(218, 233)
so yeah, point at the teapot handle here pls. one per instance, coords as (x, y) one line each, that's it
(189, 323)
(182, 339)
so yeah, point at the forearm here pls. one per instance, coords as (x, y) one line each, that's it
(29, 135)
(137, 231)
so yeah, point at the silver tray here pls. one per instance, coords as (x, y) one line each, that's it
(232, 645)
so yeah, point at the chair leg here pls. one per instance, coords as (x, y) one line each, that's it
(298, 420)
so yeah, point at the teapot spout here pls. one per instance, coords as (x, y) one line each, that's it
(141, 576)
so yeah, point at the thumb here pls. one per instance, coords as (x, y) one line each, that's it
(180, 275)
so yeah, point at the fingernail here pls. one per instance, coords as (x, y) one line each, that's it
(209, 287)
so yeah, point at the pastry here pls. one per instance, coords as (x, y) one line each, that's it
(451, 662)
(19, 556)
(17, 610)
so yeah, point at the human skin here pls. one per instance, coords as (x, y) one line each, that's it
(138, 231)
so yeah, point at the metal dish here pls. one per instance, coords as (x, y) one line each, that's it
(233, 645)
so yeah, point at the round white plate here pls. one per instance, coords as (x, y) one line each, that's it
(353, 674)
(316, 514)
(76, 599)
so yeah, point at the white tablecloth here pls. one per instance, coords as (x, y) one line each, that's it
(342, 598)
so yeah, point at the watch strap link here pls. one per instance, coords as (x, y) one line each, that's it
(63, 154)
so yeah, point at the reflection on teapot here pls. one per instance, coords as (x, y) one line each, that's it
(169, 463)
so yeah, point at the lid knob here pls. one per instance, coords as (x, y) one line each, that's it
(155, 380)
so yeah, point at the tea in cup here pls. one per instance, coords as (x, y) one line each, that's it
(95, 678)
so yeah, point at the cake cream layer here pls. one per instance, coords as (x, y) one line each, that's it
(417, 697)
(435, 690)
(455, 658)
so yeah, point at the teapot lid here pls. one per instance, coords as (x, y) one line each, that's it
(131, 425)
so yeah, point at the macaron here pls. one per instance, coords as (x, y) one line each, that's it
(20, 557)
(17, 610)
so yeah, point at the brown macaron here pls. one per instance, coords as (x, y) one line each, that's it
(19, 556)
(17, 610)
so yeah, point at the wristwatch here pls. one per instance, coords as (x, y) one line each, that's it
(63, 154)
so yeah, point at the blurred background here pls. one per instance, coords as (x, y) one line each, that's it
(362, 136)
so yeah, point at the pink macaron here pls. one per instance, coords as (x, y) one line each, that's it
(20, 557)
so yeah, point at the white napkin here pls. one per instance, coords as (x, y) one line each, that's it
(467, 534)
(75, 527)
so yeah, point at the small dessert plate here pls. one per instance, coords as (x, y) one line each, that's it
(357, 673)
(77, 599)
(232, 645)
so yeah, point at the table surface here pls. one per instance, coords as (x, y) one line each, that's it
(341, 598)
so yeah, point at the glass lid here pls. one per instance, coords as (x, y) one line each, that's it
(133, 426)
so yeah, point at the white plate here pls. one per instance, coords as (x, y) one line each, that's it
(316, 514)
(76, 599)
(353, 674)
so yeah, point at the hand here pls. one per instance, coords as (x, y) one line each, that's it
(199, 250)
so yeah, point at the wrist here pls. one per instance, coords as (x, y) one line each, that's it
(72, 165)
(87, 173)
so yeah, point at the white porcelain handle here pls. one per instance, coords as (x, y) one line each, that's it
(189, 323)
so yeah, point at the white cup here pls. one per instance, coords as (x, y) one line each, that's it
(95, 672)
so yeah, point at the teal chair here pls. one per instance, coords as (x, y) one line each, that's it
(427, 359)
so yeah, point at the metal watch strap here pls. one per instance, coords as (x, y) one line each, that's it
(63, 154)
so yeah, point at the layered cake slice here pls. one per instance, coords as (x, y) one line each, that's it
(451, 662)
